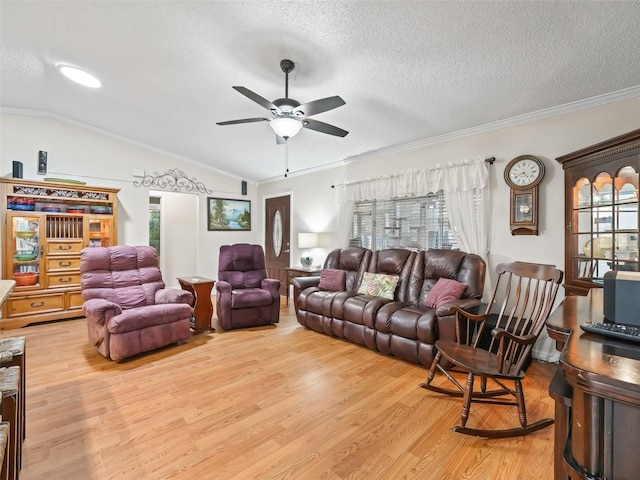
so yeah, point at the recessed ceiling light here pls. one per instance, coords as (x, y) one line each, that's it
(79, 76)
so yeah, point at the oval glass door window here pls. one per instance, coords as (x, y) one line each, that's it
(277, 233)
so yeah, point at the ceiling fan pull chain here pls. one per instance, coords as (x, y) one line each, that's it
(286, 159)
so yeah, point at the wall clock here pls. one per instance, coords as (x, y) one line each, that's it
(523, 174)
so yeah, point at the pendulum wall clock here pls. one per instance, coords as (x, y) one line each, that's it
(523, 174)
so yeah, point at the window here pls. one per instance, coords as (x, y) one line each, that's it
(415, 223)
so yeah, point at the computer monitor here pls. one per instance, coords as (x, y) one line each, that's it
(622, 297)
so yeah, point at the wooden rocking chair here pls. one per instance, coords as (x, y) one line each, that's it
(526, 292)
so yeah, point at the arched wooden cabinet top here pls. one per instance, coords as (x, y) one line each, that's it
(602, 217)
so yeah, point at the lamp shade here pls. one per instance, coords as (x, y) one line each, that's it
(307, 240)
(285, 127)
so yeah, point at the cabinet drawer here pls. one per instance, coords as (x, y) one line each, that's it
(74, 300)
(70, 279)
(64, 247)
(59, 263)
(36, 304)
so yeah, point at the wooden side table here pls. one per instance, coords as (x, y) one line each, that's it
(293, 272)
(201, 288)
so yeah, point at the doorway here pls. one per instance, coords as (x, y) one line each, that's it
(277, 239)
(177, 215)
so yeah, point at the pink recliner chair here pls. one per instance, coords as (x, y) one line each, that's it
(128, 309)
(245, 296)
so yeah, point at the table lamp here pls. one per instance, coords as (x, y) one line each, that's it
(307, 241)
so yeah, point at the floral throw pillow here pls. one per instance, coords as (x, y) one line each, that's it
(378, 284)
(445, 290)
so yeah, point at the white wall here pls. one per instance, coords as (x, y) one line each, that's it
(313, 200)
(101, 160)
(179, 227)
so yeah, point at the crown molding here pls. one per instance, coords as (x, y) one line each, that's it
(591, 102)
(115, 136)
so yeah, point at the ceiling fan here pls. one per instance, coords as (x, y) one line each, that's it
(289, 116)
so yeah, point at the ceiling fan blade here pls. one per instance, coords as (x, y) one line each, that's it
(324, 127)
(244, 120)
(280, 140)
(257, 98)
(319, 106)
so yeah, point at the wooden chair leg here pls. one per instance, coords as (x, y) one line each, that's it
(522, 409)
(466, 400)
(434, 367)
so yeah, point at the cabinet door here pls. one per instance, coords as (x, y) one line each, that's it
(603, 232)
(100, 230)
(24, 253)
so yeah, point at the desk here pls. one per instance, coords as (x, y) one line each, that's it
(201, 288)
(598, 416)
(293, 272)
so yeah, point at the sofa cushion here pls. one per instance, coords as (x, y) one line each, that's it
(332, 279)
(445, 290)
(378, 284)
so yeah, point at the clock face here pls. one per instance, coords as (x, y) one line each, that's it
(525, 172)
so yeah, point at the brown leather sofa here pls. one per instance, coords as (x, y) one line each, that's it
(403, 326)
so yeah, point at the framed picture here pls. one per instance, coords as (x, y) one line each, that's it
(228, 214)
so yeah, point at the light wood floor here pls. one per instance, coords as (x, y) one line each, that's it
(263, 403)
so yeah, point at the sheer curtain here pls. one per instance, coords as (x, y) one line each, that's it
(465, 185)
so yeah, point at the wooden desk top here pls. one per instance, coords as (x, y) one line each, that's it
(606, 367)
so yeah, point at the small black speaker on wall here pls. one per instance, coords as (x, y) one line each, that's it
(17, 169)
(244, 187)
(42, 162)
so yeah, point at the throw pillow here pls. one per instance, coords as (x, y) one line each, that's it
(378, 284)
(332, 279)
(445, 290)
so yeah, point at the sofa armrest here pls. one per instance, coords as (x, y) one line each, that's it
(100, 310)
(223, 287)
(272, 286)
(173, 295)
(470, 305)
(303, 282)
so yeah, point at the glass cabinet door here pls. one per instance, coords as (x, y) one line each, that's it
(26, 250)
(99, 230)
(604, 229)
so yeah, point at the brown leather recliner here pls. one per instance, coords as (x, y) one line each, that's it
(403, 326)
(313, 305)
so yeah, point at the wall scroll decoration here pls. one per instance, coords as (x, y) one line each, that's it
(173, 179)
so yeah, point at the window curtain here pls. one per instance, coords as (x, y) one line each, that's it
(465, 185)
(463, 175)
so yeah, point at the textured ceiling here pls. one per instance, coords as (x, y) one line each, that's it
(408, 71)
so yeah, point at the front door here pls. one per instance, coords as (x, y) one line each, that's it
(277, 241)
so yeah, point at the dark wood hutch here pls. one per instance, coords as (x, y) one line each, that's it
(601, 211)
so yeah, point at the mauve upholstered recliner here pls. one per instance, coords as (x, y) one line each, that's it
(245, 296)
(128, 309)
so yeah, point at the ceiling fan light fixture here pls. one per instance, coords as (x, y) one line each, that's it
(286, 127)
